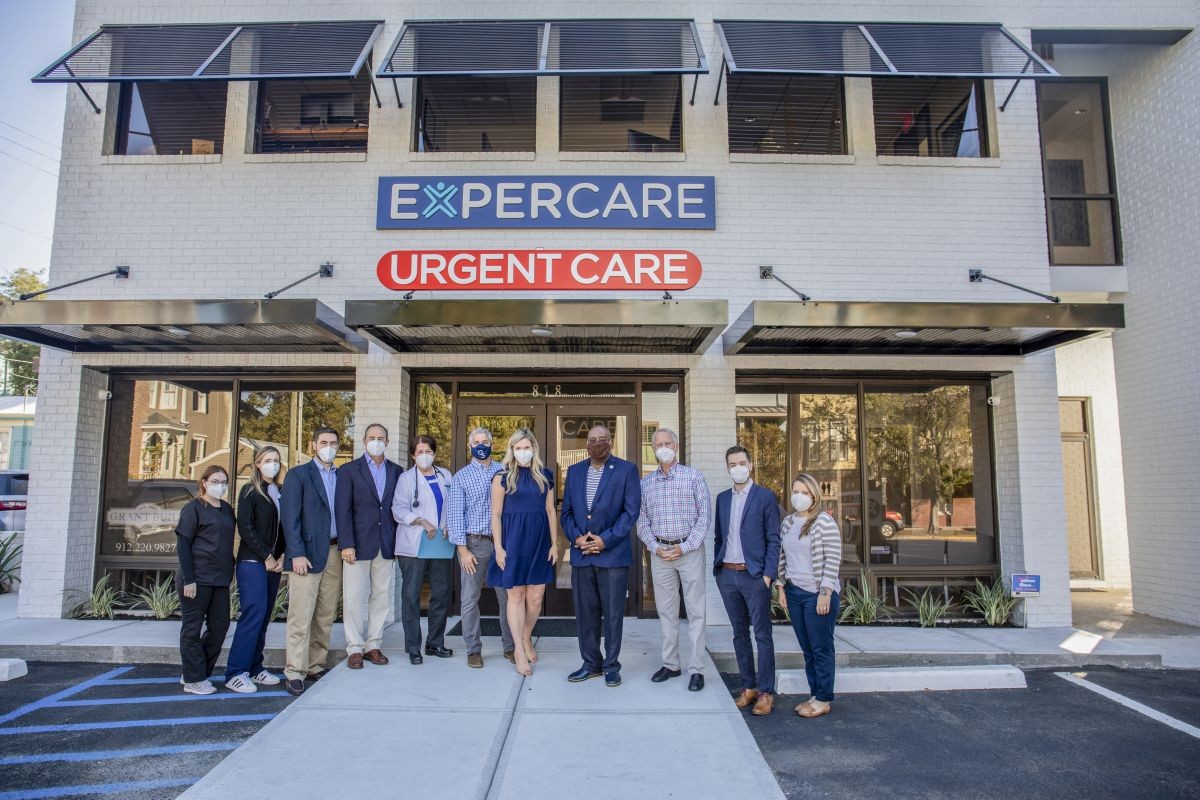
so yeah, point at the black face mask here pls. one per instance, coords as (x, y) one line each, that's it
(599, 451)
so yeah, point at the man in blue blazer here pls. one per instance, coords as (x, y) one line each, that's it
(599, 509)
(367, 541)
(311, 552)
(745, 562)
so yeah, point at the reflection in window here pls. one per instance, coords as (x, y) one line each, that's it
(934, 117)
(308, 116)
(434, 419)
(785, 114)
(827, 448)
(475, 114)
(762, 429)
(177, 118)
(621, 113)
(660, 409)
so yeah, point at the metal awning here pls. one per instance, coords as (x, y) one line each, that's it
(877, 49)
(949, 329)
(180, 326)
(545, 47)
(220, 51)
(562, 326)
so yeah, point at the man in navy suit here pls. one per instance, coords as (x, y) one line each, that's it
(367, 540)
(311, 553)
(745, 562)
(599, 509)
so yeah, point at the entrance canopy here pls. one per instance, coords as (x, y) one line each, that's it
(540, 326)
(946, 329)
(179, 326)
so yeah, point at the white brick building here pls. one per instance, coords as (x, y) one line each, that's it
(895, 202)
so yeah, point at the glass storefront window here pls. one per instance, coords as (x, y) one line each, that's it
(434, 418)
(285, 420)
(826, 447)
(762, 428)
(660, 409)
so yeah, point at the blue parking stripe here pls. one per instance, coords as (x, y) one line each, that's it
(133, 723)
(137, 681)
(104, 755)
(54, 698)
(164, 698)
(96, 788)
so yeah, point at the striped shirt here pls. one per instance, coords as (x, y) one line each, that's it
(593, 481)
(823, 550)
(676, 507)
(471, 501)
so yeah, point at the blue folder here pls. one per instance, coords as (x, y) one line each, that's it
(437, 547)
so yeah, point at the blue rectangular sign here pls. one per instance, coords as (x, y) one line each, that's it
(460, 202)
(1026, 585)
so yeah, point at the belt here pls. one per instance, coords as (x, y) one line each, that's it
(479, 536)
(670, 542)
(333, 542)
(734, 567)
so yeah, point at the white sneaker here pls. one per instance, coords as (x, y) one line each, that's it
(241, 684)
(265, 678)
(199, 687)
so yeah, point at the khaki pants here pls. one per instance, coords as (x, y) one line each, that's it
(312, 604)
(688, 571)
(366, 585)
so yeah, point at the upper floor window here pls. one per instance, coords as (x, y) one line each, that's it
(932, 117)
(786, 114)
(170, 118)
(475, 114)
(1081, 200)
(308, 116)
(621, 113)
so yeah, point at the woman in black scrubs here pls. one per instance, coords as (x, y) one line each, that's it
(205, 548)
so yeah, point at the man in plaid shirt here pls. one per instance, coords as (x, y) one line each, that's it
(676, 513)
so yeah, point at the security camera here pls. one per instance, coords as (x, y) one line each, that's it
(104, 394)
(993, 401)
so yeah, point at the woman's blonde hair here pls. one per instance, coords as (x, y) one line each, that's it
(512, 468)
(814, 490)
(256, 478)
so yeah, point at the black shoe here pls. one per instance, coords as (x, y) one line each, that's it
(294, 686)
(440, 652)
(583, 674)
(612, 678)
(415, 658)
(696, 683)
(316, 676)
(664, 674)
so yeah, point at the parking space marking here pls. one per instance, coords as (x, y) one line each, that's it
(138, 681)
(133, 723)
(96, 788)
(164, 698)
(105, 755)
(1134, 705)
(51, 700)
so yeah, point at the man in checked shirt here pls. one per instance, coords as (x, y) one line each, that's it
(676, 512)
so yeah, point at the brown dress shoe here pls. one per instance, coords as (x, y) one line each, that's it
(475, 660)
(355, 661)
(764, 705)
(511, 655)
(375, 656)
(746, 698)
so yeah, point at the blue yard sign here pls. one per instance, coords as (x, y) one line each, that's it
(1026, 585)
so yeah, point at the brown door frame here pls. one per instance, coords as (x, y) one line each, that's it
(1084, 437)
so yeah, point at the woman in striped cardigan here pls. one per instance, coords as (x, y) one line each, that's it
(809, 559)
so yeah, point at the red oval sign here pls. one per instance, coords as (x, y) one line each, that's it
(546, 270)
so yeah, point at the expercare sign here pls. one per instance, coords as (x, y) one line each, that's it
(543, 269)
(547, 201)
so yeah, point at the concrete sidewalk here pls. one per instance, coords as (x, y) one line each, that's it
(444, 730)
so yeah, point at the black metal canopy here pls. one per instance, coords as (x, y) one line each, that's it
(180, 326)
(944, 329)
(877, 49)
(540, 326)
(219, 51)
(545, 47)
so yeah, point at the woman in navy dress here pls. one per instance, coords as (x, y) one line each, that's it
(525, 532)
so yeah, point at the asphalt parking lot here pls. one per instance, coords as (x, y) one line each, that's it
(98, 730)
(1055, 739)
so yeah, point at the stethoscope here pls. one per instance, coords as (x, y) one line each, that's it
(438, 471)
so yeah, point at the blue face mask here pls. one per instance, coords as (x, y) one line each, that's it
(481, 451)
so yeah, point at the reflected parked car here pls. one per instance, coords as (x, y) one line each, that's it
(152, 515)
(14, 495)
(892, 524)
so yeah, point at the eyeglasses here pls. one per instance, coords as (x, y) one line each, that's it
(218, 483)
(605, 440)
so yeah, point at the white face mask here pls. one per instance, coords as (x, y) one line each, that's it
(424, 460)
(740, 473)
(269, 469)
(375, 447)
(801, 502)
(523, 457)
(665, 454)
(215, 490)
(327, 453)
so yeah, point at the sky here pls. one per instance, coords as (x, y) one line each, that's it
(32, 34)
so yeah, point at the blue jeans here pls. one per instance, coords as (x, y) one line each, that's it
(257, 589)
(815, 632)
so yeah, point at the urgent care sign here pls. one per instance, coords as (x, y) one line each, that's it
(547, 201)
(541, 269)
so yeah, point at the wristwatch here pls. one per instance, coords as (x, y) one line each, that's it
(825, 591)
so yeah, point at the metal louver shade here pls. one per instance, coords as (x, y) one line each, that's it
(226, 51)
(545, 47)
(877, 49)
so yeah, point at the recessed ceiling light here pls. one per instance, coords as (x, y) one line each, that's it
(907, 333)
(541, 331)
(175, 330)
